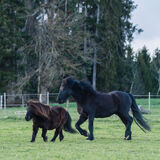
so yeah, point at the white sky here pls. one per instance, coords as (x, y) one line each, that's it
(147, 17)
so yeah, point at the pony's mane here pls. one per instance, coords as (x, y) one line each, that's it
(39, 109)
(87, 87)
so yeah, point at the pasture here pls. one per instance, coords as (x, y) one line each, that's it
(15, 136)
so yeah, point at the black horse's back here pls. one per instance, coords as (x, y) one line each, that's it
(138, 116)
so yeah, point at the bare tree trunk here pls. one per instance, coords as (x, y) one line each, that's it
(66, 8)
(158, 81)
(132, 84)
(95, 51)
(28, 4)
(40, 54)
(85, 30)
(39, 68)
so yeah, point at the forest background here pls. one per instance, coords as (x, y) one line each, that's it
(43, 41)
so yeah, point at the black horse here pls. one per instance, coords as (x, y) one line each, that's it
(92, 104)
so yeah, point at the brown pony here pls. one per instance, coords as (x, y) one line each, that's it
(48, 118)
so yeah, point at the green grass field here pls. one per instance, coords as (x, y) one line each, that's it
(15, 135)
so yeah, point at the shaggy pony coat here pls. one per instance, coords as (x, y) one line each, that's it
(48, 118)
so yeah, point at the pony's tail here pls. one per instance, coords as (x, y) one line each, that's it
(67, 126)
(138, 118)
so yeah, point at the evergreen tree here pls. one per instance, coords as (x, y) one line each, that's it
(12, 19)
(156, 70)
(114, 71)
(144, 74)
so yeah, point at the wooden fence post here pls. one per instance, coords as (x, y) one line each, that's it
(48, 98)
(22, 101)
(40, 97)
(149, 101)
(67, 105)
(1, 101)
(5, 104)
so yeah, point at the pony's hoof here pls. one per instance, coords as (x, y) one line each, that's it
(61, 138)
(45, 139)
(32, 141)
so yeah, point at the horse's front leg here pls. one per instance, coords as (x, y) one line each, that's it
(35, 130)
(44, 131)
(81, 120)
(90, 126)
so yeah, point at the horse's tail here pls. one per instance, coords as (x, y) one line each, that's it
(138, 118)
(67, 126)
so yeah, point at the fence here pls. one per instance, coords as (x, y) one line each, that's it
(20, 100)
(8, 100)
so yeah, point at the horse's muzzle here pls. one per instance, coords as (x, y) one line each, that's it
(60, 101)
(27, 118)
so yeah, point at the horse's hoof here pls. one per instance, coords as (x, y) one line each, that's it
(127, 138)
(85, 133)
(32, 141)
(61, 138)
(90, 139)
(52, 140)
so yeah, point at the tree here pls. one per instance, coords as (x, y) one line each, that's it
(57, 45)
(145, 81)
(114, 54)
(12, 20)
(156, 68)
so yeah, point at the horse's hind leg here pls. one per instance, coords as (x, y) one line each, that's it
(44, 131)
(55, 135)
(127, 120)
(61, 136)
(81, 120)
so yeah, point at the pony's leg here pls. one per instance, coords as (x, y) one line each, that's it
(44, 131)
(35, 130)
(90, 127)
(80, 121)
(61, 136)
(127, 120)
(55, 135)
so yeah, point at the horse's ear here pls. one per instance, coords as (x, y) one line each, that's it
(70, 82)
(76, 85)
(73, 84)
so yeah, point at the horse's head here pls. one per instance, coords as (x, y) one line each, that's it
(29, 114)
(35, 108)
(66, 89)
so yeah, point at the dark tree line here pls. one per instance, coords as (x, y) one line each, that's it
(43, 41)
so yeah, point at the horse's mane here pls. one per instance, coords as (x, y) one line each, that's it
(87, 87)
(39, 109)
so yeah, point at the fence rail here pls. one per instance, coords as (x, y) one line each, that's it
(12, 100)
(21, 99)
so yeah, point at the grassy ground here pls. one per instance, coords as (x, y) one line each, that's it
(15, 134)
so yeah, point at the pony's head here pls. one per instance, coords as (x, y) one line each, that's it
(35, 108)
(29, 114)
(65, 90)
